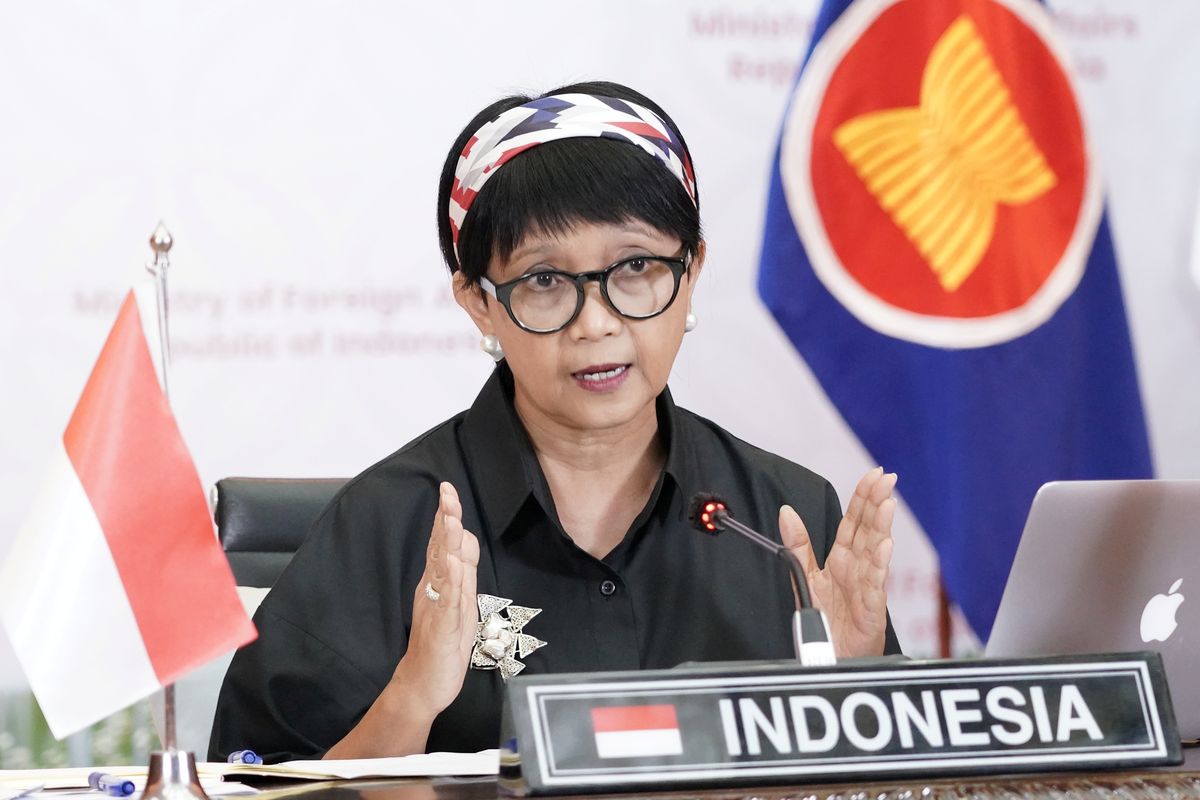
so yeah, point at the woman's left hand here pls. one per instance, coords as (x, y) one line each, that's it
(850, 589)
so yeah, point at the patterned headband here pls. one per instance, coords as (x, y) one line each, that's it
(564, 116)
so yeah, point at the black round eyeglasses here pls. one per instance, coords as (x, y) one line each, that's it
(546, 301)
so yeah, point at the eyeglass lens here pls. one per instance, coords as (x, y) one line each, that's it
(639, 287)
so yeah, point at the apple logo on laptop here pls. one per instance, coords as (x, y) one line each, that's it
(1158, 617)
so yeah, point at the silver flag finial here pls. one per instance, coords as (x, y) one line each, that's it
(160, 240)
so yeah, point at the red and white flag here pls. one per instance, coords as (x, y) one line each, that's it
(116, 585)
(636, 731)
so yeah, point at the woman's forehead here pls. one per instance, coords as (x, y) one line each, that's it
(629, 232)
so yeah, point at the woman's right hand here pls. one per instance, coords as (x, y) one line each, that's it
(431, 673)
(443, 630)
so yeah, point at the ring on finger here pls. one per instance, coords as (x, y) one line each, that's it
(432, 593)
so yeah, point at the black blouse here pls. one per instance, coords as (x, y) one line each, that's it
(336, 623)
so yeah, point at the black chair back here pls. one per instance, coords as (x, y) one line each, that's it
(261, 522)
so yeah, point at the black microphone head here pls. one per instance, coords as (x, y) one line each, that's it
(703, 510)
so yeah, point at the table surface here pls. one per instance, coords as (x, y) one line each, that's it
(1171, 782)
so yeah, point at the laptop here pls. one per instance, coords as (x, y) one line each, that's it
(1107, 566)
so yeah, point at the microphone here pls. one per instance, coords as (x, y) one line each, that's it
(810, 628)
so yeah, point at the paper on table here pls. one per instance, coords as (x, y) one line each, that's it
(18, 790)
(213, 787)
(64, 778)
(223, 788)
(74, 780)
(485, 762)
(431, 765)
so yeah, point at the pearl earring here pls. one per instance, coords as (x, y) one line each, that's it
(690, 322)
(491, 345)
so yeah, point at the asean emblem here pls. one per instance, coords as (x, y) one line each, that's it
(935, 164)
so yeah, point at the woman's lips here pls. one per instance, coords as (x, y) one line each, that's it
(601, 377)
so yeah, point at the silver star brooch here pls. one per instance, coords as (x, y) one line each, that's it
(499, 640)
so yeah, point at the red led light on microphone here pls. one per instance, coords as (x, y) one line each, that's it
(709, 510)
(707, 513)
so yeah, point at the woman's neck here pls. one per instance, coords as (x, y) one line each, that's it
(600, 479)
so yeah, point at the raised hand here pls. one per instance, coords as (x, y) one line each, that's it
(850, 589)
(431, 673)
(443, 630)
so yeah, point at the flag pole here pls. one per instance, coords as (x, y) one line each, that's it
(172, 773)
(161, 243)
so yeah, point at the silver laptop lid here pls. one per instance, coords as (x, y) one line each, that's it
(1106, 566)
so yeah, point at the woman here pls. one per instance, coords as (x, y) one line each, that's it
(558, 502)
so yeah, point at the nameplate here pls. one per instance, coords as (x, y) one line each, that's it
(777, 722)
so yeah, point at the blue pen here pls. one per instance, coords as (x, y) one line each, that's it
(244, 757)
(110, 784)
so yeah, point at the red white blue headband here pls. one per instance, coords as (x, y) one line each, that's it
(563, 116)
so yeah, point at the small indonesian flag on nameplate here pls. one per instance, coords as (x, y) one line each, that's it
(636, 731)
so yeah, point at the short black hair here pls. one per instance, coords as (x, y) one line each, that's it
(557, 185)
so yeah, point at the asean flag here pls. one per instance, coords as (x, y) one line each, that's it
(116, 584)
(936, 248)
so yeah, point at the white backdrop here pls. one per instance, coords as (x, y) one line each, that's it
(293, 149)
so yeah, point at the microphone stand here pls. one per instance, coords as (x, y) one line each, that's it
(810, 627)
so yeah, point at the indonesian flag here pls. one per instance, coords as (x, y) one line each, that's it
(636, 731)
(116, 585)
